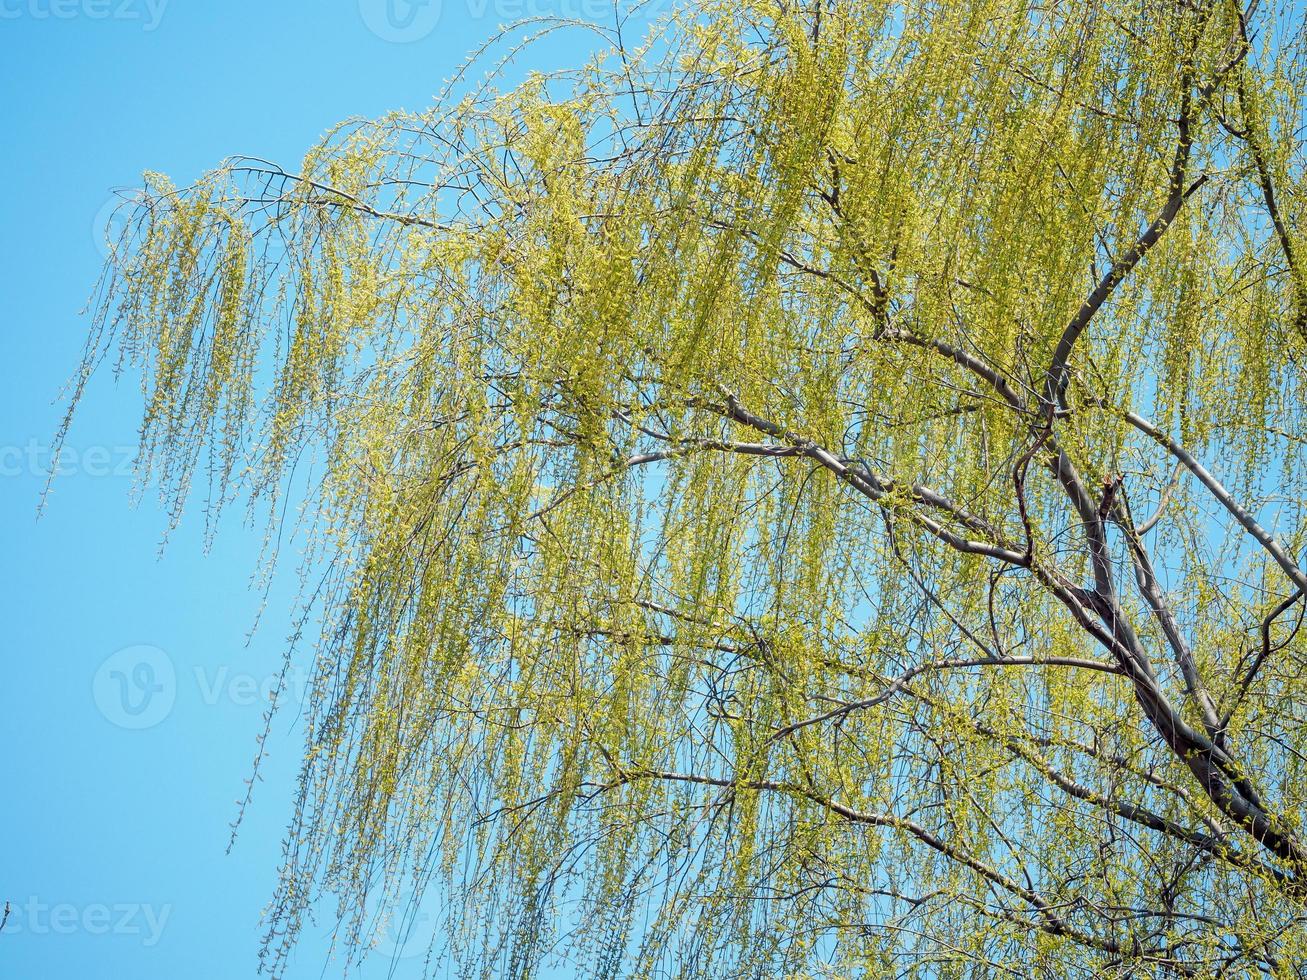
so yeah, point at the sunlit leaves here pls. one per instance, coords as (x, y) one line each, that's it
(677, 469)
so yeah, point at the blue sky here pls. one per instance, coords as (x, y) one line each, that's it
(130, 699)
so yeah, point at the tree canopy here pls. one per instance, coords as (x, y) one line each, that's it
(818, 492)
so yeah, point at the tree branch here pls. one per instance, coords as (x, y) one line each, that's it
(1058, 375)
(1223, 496)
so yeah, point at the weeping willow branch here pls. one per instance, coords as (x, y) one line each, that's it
(715, 467)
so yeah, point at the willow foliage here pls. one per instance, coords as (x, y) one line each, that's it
(819, 495)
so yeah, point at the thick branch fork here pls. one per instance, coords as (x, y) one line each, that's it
(1224, 781)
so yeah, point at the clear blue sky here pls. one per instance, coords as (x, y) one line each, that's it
(114, 814)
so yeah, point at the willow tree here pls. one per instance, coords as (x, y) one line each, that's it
(819, 494)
